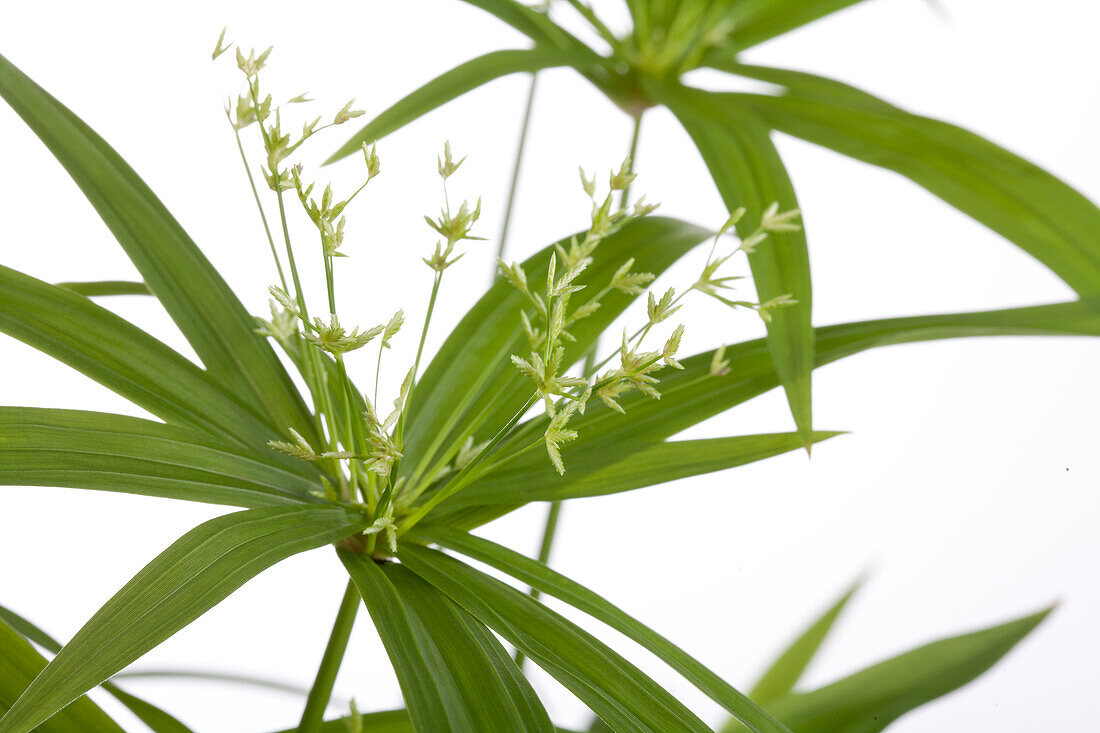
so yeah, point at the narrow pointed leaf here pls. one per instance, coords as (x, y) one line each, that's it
(872, 699)
(122, 357)
(192, 576)
(383, 721)
(1012, 196)
(157, 720)
(454, 674)
(757, 22)
(93, 450)
(531, 23)
(458, 81)
(207, 312)
(692, 395)
(608, 470)
(98, 288)
(784, 673)
(498, 695)
(748, 172)
(613, 688)
(220, 678)
(19, 664)
(542, 578)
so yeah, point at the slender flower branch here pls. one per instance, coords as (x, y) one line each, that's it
(516, 166)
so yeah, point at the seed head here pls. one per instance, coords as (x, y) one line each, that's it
(774, 220)
(347, 113)
(300, 448)
(253, 64)
(221, 47)
(446, 164)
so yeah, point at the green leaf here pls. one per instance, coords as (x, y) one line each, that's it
(157, 720)
(320, 692)
(214, 677)
(611, 469)
(458, 396)
(497, 693)
(531, 23)
(207, 312)
(870, 700)
(542, 578)
(122, 357)
(107, 287)
(784, 673)
(384, 721)
(748, 172)
(1015, 198)
(757, 22)
(93, 450)
(692, 395)
(609, 685)
(19, 664)
(453, 673)
(192, 576)
(458, 81)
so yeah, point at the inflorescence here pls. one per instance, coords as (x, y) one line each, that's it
(359, 451)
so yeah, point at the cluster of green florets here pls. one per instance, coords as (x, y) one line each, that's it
(550, 315)
(360, 449)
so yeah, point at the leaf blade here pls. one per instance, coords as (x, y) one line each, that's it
(90, 450)
(590, 472)
(550, 582)
(1015, 198)
(613, 688)
(456, 82)
(692, 395)
(19, 664)
(96, 288)
(784, 673)
(196, 297)
(755, 23)
(499, 696)
(121, 357)
(194, 574)
(431, 694)
(869, 700)
(747, 170)
(158, 720)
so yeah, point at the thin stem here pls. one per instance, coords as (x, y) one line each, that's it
(321, 692)
(551, 527)
(260, 208)
(187, 674)
(520, 148)
(420, 349)
(467, 475)
(633, 154)
(547, 545)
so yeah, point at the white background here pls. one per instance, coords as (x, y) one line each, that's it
(967, 492)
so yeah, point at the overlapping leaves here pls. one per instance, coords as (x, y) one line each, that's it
(439, 618)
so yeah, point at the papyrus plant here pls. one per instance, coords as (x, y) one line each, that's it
(498, 418)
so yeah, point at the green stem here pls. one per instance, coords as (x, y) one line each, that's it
(633, 154)
(419, 352)
(321, 692)
(520, 147)
(547, 545)
(260, 208)
(468, 474)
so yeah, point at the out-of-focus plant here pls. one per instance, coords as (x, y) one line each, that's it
(500, 417)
